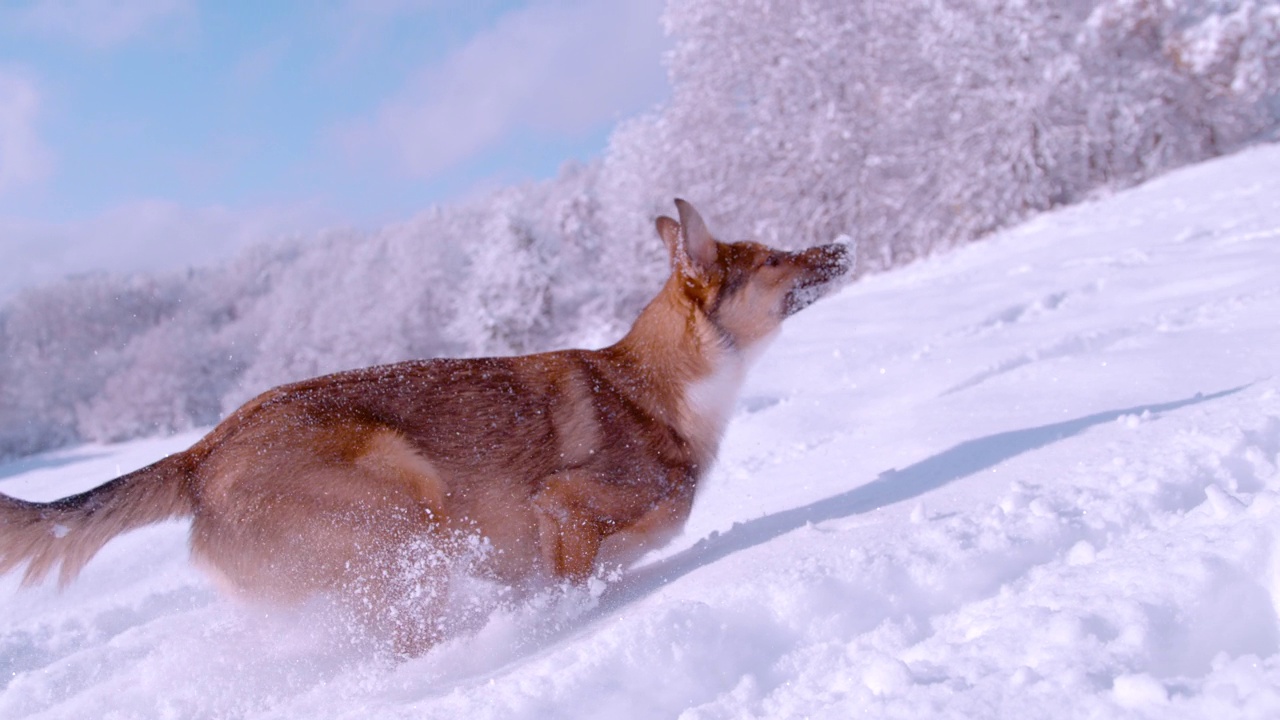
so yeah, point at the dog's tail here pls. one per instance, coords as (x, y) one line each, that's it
(70, 531)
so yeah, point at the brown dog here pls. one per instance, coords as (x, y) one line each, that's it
(558, 461)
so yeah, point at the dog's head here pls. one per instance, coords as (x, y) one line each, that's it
(745, 289)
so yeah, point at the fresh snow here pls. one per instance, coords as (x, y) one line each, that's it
(1033, 477)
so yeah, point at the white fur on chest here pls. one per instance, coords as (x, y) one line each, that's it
(709, 400)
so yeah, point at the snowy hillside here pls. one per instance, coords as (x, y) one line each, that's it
(1035, 477)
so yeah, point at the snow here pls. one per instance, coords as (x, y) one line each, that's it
(1034, 477)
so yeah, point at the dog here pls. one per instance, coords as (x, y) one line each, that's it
(559, 462)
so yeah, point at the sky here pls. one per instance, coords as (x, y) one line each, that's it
(154, 134)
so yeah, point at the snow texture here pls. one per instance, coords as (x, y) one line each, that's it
(1033, 477)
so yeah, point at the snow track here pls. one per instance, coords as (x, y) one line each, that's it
(1035, 477)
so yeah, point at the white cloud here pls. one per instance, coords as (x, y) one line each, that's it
(384, 10)
(24, 159)
(554, 68)
(360, 23)
(99, 23)
(142, 236)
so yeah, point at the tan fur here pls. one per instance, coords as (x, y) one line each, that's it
(354, 485)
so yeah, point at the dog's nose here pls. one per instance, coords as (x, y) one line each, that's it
(840, 255)
(851, 252)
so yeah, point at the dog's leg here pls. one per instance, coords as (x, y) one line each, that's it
(576, 511)
(568, 534)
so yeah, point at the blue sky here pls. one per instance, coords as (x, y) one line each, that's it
(150, 134)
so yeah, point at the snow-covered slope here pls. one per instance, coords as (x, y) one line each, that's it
(1035, 477)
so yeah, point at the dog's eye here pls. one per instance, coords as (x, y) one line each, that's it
(772, 260)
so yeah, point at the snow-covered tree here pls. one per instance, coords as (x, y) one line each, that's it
(61, 344)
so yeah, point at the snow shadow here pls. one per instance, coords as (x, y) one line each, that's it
(45, 462)
(892, 486)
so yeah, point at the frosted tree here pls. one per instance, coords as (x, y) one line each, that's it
(351, 299)
(61, 345)
(503, 302)
(177, 375)
(174, 375)
(915, 125)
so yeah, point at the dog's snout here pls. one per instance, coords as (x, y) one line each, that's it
(835, 259)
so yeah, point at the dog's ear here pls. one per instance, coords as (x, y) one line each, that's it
(689, 243)
(697, 239)
(669, 231)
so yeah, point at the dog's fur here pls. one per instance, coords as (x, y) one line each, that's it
(560, 461)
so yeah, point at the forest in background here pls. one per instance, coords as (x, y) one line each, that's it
(910, 126)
